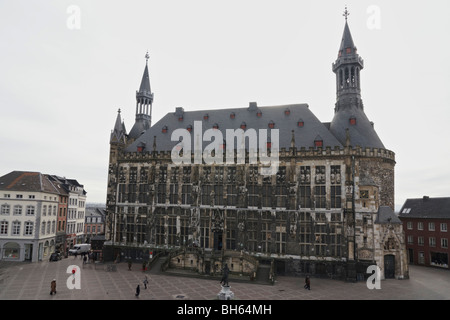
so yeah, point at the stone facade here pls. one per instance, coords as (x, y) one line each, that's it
(319, 214)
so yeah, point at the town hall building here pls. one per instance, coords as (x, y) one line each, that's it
(325, 210)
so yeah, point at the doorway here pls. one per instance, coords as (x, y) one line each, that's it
(389, 266)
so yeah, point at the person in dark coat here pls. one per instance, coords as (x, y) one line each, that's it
(53, 287)
(138, 290)
(307, 283)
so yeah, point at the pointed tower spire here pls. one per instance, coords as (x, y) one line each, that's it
(118, 134)
(349, 109)
(144, 101)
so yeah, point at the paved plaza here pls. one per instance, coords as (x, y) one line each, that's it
(31, 281)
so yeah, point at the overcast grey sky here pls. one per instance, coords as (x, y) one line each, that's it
(67, 66)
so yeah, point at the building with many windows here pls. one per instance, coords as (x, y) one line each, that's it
(325, 209)
(426, 221)
(32, 216)
(94, 223)
(29, 204)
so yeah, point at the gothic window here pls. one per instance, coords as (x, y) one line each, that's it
(162, 174)
(266, 237)
(352, 79)
(206, 194)
(172, 231)
(218, 194)
(186, 191)
(159, 230)
(204, 233)
(319, 197)
(253, 195)
(232, 191)
(133, 175)
(132, 189)
(173, 193)
(266, 195)
(280, 237)
(187, 174)
(341, 79)
(162, 193)
(231, 235)
(304, 237)
(251, 233)
(335, 196)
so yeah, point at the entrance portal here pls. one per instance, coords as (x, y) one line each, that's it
(389, 266)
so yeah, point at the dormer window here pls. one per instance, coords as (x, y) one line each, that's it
(206, 117)
(287, 112)
(259, 113)
(232, 115)
(243, 126)
(180, 118)
(215, 126)
(164, 129)
(300, 123)
(318, 142)
(348, 50)
(271, 124)
(189, 128)
(352, 120)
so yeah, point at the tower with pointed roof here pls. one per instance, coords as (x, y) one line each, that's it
(144, 101)
(350, 120)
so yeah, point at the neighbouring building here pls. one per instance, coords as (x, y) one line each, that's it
(32, 216)
(94, 223)
(426, 221)
(326, 210)
(74, 207)
(29, 204)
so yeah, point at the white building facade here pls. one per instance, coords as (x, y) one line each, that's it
(28, 214)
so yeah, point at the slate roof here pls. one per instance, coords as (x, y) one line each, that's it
(361, 134)
(233, 118)
(426, 207)
(347, 40)
(386, 215)
(27, 181)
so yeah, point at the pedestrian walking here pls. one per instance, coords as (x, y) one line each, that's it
(84, 260)
(307, 283)
(53, 287)
(138, 290)
(129, 265)
(145, 282)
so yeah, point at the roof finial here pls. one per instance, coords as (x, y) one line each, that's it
(146, 57)
(346, 13)
(118, 110)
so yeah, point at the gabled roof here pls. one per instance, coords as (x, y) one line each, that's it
(426, 207)
(284, 117)
(386, 215)
(27, 181)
